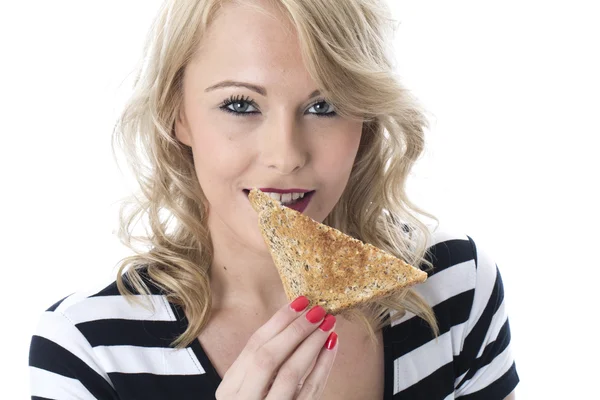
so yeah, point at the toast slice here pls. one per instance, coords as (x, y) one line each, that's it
(327, 266)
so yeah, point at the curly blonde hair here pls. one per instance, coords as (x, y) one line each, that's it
(346, 47)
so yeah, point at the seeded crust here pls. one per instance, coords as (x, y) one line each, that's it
(327, 266)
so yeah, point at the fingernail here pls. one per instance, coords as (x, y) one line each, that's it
(327, 323)
(331, 341)
(315, 314)
(299, 304)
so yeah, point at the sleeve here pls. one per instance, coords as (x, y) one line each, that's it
(62, 365)
(485, 366)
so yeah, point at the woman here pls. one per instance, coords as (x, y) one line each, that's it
(290, 96)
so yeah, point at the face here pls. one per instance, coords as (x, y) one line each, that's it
(253, 118)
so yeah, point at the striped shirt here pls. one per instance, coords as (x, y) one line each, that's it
(100, 346)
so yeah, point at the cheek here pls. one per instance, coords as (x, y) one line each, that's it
(217, 157)
(337, 156)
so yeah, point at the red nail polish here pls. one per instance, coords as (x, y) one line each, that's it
(315, 314)
(331, 341)
(327, 323)
(299, 304)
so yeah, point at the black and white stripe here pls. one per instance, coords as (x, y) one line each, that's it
(471, 358)
(98, 345)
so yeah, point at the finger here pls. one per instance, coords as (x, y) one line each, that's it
(292, 371)
(233, 377)
(314, 385)
(267, 359)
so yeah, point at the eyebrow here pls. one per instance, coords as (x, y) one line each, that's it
(255, 88)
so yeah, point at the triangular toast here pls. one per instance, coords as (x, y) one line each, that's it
(327, 266)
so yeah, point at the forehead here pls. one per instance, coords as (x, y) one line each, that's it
(253, 44)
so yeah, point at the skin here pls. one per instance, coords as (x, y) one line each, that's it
(282, 142)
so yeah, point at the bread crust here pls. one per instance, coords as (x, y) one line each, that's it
(330, 268)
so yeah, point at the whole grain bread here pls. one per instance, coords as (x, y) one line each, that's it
(330, 268)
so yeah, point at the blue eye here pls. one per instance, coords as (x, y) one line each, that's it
(240, 106)
(322, 108)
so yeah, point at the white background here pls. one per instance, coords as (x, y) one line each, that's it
(513, 90)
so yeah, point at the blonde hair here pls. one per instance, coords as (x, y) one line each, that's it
(343, 44)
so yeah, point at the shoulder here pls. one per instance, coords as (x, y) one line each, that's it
(472, 287)
(463, 280)
(460, 266)
(465, 289)
(472, 352)
(97, 343)
(97, 316)
(107, 303)
(87, 319)
(452, 257)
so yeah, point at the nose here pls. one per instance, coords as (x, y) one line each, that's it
(282, 146)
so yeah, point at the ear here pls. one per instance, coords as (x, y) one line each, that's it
(182, 129)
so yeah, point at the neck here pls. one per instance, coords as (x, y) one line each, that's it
(243, 277)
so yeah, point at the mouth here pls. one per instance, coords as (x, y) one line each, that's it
(296, 199)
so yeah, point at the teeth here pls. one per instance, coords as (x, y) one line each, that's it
(285, 197)
(275, 196)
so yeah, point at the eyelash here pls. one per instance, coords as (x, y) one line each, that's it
(240, 99)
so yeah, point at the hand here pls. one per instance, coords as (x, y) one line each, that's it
(280, 353)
